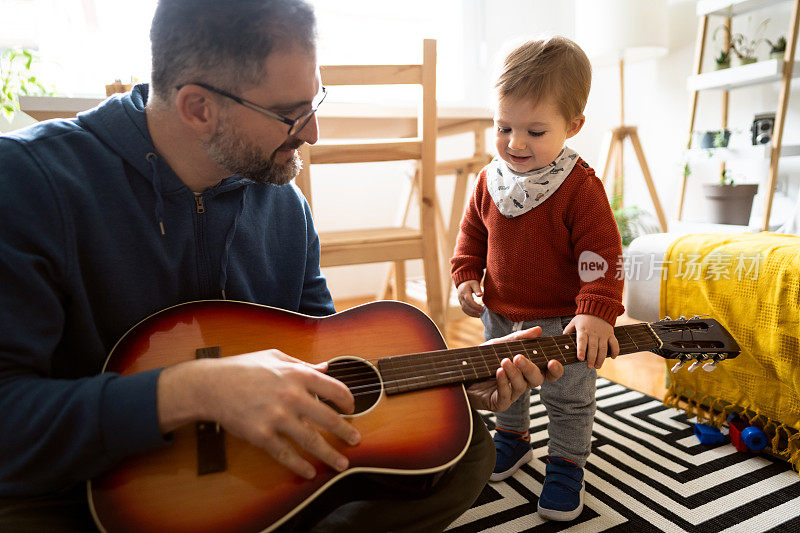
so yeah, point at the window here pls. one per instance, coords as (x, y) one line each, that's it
(85, 44)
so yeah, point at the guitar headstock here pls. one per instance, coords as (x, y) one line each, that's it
(701, 339)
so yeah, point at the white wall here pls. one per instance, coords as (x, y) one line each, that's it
(656, 101)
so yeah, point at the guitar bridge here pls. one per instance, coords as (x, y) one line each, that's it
(211, 457)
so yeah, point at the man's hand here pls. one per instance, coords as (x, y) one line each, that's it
(267, 398)
(594, 337)
(467, 291)
(512, 378)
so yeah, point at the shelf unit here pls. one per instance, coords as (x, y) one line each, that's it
(731, 7)
(770, 71)
(762, 151)
(743, 76)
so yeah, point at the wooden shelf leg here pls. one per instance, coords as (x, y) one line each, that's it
(648, 178)
(702, 29)
(606, 155)
(780, 115)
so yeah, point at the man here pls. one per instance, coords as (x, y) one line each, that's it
(175, 192)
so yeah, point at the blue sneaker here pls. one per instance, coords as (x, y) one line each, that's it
(513, 451)
(562, 493)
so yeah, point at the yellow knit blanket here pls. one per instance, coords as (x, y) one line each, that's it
(751, 284)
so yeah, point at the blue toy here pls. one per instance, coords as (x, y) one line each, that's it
(745, 437)
(708, 434)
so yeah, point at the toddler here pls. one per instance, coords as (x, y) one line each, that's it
(536, 213)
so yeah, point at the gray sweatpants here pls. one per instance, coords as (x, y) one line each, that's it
(569, 401)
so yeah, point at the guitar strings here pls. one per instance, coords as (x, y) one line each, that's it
(446, 357)
(551, 342)
(455, 367)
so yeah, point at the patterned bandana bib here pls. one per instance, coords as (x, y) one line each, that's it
(516, 193)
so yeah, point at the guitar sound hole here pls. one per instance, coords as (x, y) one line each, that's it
(361, 378)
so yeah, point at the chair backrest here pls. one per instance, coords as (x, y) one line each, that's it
(422, 147)
(387, 244)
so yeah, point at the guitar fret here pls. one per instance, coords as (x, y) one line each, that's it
(485, 362)
(385, 367)
(552, 342)
(630, 337)
(538, 357)
(417, 371)
(493, 348)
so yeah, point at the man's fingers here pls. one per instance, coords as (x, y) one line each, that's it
(504, 389)
(515, 376)
(310, 440)
(331, 389)
(533, 376)
(554, 370)
(531, 333)
(328, 419)
(285, 454)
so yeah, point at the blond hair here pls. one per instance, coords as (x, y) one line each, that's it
(554, 66)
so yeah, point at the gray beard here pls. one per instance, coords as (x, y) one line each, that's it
(233, 153)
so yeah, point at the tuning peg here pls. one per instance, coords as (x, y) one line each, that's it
(710, 366)
(682, 318)
(699, 359)
(666, 318)
(681, 361)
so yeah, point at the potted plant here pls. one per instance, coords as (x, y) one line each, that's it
(777, 48)
(632, 221)
(723, 60)
(728, 202)
(712, 138)
(17, 79)
(744, 47)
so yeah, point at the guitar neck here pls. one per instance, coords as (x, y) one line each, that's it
(406, 373)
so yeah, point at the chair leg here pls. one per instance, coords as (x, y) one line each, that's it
(385, 289)
(400, 281)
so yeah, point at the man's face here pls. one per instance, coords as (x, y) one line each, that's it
(257, 147)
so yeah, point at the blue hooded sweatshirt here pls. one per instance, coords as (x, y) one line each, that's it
(83, 258)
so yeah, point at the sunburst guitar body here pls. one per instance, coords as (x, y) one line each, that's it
(411, 405)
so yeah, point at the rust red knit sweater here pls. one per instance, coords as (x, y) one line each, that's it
(531, 261)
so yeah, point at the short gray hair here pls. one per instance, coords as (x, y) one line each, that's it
(223, 42)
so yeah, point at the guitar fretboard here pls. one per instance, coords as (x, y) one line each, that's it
(405, 373)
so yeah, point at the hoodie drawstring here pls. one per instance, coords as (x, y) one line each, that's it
(223, 269)
(223, 275)
(151, 158)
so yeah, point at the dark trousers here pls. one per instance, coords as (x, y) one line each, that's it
(356, 503)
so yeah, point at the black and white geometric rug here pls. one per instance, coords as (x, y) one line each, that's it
(647, 472)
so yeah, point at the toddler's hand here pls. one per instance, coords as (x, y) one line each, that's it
(467, 290)
(594, 338)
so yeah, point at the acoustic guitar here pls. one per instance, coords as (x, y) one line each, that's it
(411, 406)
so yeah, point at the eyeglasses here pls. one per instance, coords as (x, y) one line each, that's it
(296, 125)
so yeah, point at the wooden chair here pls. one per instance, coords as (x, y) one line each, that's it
(465, 170)
(400, 243)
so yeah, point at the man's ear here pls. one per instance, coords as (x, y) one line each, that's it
(575, 125)
(197, 109)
